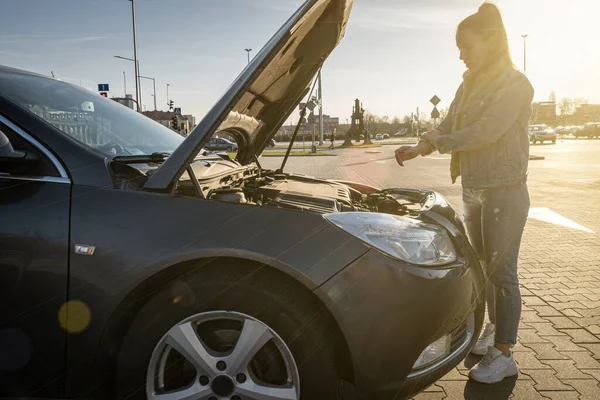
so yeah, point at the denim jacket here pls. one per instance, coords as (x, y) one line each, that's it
(486, 129)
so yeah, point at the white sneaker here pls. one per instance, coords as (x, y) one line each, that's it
(494, 367)
(485, 340)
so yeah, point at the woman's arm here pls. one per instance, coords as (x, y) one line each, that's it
(494, 122)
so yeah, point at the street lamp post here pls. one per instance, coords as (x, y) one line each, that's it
(124, 84)
(320, 111)
(524, 52)
(154, 86)
(248, 51)
(138, 90)
(135, 60)
(168, 104)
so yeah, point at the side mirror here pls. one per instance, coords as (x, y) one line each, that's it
(15, 162)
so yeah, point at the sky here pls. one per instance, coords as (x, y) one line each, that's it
(395, 56)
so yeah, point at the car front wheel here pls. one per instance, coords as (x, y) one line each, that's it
(214, 339)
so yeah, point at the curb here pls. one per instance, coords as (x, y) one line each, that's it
(360, 147)
(300, 155)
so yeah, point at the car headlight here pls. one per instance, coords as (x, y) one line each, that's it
(434, 352)
(403, 238)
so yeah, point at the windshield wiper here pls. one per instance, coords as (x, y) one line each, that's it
(143, 158)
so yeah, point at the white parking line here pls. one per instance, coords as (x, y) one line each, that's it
(547, 215)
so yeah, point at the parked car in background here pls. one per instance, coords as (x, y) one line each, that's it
(570, 130)
(221, 144)
(133, 266)
(590, 130)
(379, 136)
(271, 143)
(386, 136)
(541, 133)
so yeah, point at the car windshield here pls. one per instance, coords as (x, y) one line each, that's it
(87, 117)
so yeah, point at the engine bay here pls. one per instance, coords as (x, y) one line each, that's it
(317, 195)
(228, 181)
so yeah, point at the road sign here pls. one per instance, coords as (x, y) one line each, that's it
(435, 113)
(435, 100)
(177, 110)
(103, 87)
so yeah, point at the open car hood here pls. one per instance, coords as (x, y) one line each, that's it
(268, 90)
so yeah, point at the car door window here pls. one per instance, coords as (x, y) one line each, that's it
(44, 167)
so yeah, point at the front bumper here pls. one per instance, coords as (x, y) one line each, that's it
(390, 311)
(544, 137)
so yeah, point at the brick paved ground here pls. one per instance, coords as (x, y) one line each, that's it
(558, 351)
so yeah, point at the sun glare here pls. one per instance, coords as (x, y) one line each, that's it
(561, 44)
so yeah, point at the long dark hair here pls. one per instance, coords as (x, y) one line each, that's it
(487, 22)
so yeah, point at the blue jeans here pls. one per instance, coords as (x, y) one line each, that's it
(495, 219)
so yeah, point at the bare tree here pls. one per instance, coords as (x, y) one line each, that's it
(566, 106)
(443, 113)
(579, 101)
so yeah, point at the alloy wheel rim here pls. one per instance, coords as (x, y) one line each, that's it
(228, 368)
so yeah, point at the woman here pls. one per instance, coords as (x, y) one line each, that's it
(486, 132)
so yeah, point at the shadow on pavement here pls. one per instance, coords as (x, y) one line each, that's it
(481, 391)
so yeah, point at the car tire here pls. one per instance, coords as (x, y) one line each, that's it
(533, 141)
(259, 298)
(230, 149)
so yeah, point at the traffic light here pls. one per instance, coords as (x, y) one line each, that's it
(170, 104)
(174, 123)
(103, 94)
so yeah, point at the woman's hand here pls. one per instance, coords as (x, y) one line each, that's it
(406, 153)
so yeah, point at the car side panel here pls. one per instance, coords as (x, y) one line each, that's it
(137, 234)
(34, 233)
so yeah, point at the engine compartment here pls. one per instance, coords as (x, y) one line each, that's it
(319, 196)
(228, 181)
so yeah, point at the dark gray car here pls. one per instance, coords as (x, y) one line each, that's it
(132, 265)
(215, 144)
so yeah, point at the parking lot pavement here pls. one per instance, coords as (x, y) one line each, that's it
(559, 340)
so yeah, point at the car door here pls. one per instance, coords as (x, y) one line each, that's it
(34, 229)
(212, 143)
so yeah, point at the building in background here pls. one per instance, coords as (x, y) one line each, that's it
(331, 124)
(127, 101)
(587, 113)
(583, 114)
(191, 121)
(544, 112)
(167, 118)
